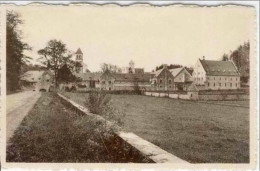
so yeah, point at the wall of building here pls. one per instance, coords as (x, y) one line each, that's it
(199, 74)
(222, 82)
(164, 81)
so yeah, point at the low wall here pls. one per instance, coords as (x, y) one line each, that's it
(170, 95)
(224, 97)
(198, 96)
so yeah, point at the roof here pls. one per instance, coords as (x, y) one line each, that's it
(129, 77)
(175, 71)
(156, 73)
(219, 68)
(79, 51)
(32, 76)
(88, 76)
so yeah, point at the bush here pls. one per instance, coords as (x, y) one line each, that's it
(98, 102)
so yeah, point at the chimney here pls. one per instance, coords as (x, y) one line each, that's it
(203, 57)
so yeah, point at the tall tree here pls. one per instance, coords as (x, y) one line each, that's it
(15, 48)
(241, 59)
(55, 55)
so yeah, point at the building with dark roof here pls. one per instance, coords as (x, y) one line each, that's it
(216, 75)
(125, 81)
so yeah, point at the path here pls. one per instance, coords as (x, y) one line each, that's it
(18, 105)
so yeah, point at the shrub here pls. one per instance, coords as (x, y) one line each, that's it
(98, 102)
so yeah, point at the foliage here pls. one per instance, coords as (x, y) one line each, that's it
(241, 59)
(98, 102)
(65, 75)
(55, 55)
(171, 66)
(225, 57)
(28, 67)
(15, 48)
(109, 67)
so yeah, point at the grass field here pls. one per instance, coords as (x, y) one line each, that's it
(52, 132)
(196, 132)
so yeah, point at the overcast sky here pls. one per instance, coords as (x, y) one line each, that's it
(148, 36)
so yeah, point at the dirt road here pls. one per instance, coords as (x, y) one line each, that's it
(17, 107)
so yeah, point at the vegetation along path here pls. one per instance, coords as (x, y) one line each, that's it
(52, 132)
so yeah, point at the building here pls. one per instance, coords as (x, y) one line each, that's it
(124, 81)
(162, 80)
(37, 80)
(80, 66)
(182, 78)
(216, 75)
(88, 80)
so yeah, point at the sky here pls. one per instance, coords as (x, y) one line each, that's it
(149, 36)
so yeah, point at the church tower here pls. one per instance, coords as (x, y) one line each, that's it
(79, 55)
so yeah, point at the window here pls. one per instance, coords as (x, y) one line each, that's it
(109, 82)
(230, 84)
(214, 84)
(219, 84)
(208, 84)
(170, 86)
(160, 86)
(225, 84)
(170, 81)
(160, 80)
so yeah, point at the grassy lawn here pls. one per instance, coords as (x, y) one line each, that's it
(196, 132)
(52, 132)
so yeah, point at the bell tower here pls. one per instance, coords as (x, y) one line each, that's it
(79, 55)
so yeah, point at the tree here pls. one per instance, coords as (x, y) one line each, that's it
(65, 75)
(225, 57)
(241, 59)
(109, 67)
(55, 55)
(15, 48)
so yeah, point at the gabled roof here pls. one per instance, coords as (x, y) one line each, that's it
(88, 76)
(79, 51)
(156, 73)
(176, 71)
(219, 68)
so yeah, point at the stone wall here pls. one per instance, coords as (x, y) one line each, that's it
(197, 96)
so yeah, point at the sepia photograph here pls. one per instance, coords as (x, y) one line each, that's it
(136, 84)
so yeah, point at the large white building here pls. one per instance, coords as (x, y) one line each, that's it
(216, 75)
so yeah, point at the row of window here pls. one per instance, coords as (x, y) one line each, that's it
(225, 84)
(220, 78)
(161, 81)
(201, 79)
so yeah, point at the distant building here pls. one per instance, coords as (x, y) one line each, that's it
(88, 80)
(80, 67)
(162, 80)
(37, 80)
(124, 81)
(216, 75)
(182, 78)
